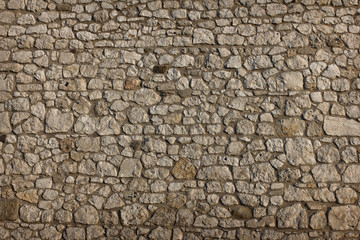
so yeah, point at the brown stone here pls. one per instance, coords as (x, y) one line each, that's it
(9, 209)
(174, 118)
(164, 217)
(241, 212)
(292, 127)
(176, 200)
(132, 84)
(67, 144)
(159, 69)
(29, 196)
(334, 41)
(184, 169)
(2, 138)
(63, 7)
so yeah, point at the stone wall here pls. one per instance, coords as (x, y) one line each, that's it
(230, 119)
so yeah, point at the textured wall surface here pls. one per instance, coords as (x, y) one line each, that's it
(140, 119)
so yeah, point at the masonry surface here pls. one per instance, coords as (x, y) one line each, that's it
(140, 119)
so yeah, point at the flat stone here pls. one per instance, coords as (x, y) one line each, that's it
(203, 36)
(325, 173)
(299, 151)
(352, 174)
(344, 217)
(29, 213)
(293, 216)
(290, 81)
(214, 173)
(57, 121)
(130, 168)
(86, 215)
(146, 97)
(337, 126)
(184, 169)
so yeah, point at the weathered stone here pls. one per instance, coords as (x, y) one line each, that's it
(205, 222)
(293, 216)
(214, 173)
(50, 233)
(241, 212)
(257, 62)
(130, 168)
(336, 126)
(254, 80)
(299, 151)
(146, 97)
(344, 217)
(134, 214)
(108, 126)
(213, 61)
(346, 195)
(114, 201)
(203, 36)
(86, 215)
(290, 81)
(318, 220)
(9, 209)
(57, 121)
(132, 84)
(262, 172)
(160, 233)
(5, 126)
(352, 174)
(327, 154)
(163, 217)
(325, 173)
(29, 213)
(184, 169)
(292, 127)
(28, 195)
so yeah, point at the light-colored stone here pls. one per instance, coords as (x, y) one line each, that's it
(344, 217)
(57, 121)
(336, 126)
(299, 151)
(134, 214)
(86, 215)
(293, 216)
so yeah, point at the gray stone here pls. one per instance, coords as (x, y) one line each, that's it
(213, 61)
(255, 80)
(336, 126)
(146, 97)
(57, 121)
(346, 195)
(85, 124)
(108, 126)
(352, 174)
(262, 172)
(130, 168)
(325, 173)
(183, 61)
(214, 173)
(293, 216)
(33, 125)
(257, 62)
(86, 215)
(5, 126)
(299, 151)
(203, 36)
(29, 213)
(290, 81)
(114, 201)
(205, 221)
(106, 169)
(327, 154)
(88, 144)
(137, 115)
(134, 214)
(233, 62)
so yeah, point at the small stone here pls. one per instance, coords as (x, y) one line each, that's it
(327, 154)
(72, 233)
(134, 214)
(331, 72)
(132, 84)
(86, 215)
(257, 62)
(213, 61)
(137, 115)
(204, 221)
(33, 125)
(292, 127)
(130, 168)
(318, 220)
(146, 97)
(344, 217)
(108, 126)
(214, 173)
(114, 201)
(5, 126)
(346, 195)
(233, 62)
(262, 172)
(160, 233)
(184, 169)
(293, 216)
(88, 144)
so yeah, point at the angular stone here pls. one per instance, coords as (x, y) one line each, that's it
(299, 151)
(9, 209)
(262, 172)
(325, 173)
(213, 61)
(318, 220)
(344, 217)
(106, 169)
(29, 213)
(203, 36)
(28, 195)
(238, 103)
(146, 97)
(33, 125)
(293, 216)
(183, 61)
(351, 40)
(163, 217)
(255, 80)
(214, 173)
(108, 126)
(130, 57)
(290, 81)
(336, 126)
(257, 62)
(233, 62)
(292, 127)
(57, 121)
(205, 221)
(352, 174)
(134, 215)
(241, 212)
(114, 201)
(5, 126)
(327, 154)
(50, 233)
(94, 232)
(346, 195)
(137, 115)
(184, 169)
(6, 80)
(130, 167)
(85, 124)
(160, 233)
(86, 215)
(244, 127)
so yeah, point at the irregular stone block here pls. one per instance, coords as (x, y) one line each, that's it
(184, 169)
(9, 209)
(336, 126)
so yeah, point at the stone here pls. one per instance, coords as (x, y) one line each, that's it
(299, 151)
(9, 209)
(160, 233)
(233, 40)
(85, 124)
(327, 154)
(133, 215)
(114, 201)
(344, 217)
(132, 84)
(137, 115)
(146, 97)
(214, 173)
(184, 169)
(205, 221)
(107, 126)
(325, 173)
(57, 121)
(130, 168)
(352, 174)
(318, 220)
(293, 216)
(5, 126)
(28, 195)
(106, 169)
(94, 232)
(163, 217)
(88, 144)
(346, 195)
(337, 126)
(292, 127)
(72, 233)
(257, 62)
(213, 61)
(50, 233)
(203, 36)
(241, 212)
(29, 213)
(262, 172)
(86, 215)
(233, 62)
(234, 148)
(290, 81)
(254, 80)
(33, 125)
(183, 61)
(244, 127)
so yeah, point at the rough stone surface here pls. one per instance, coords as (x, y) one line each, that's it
(150, 119)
